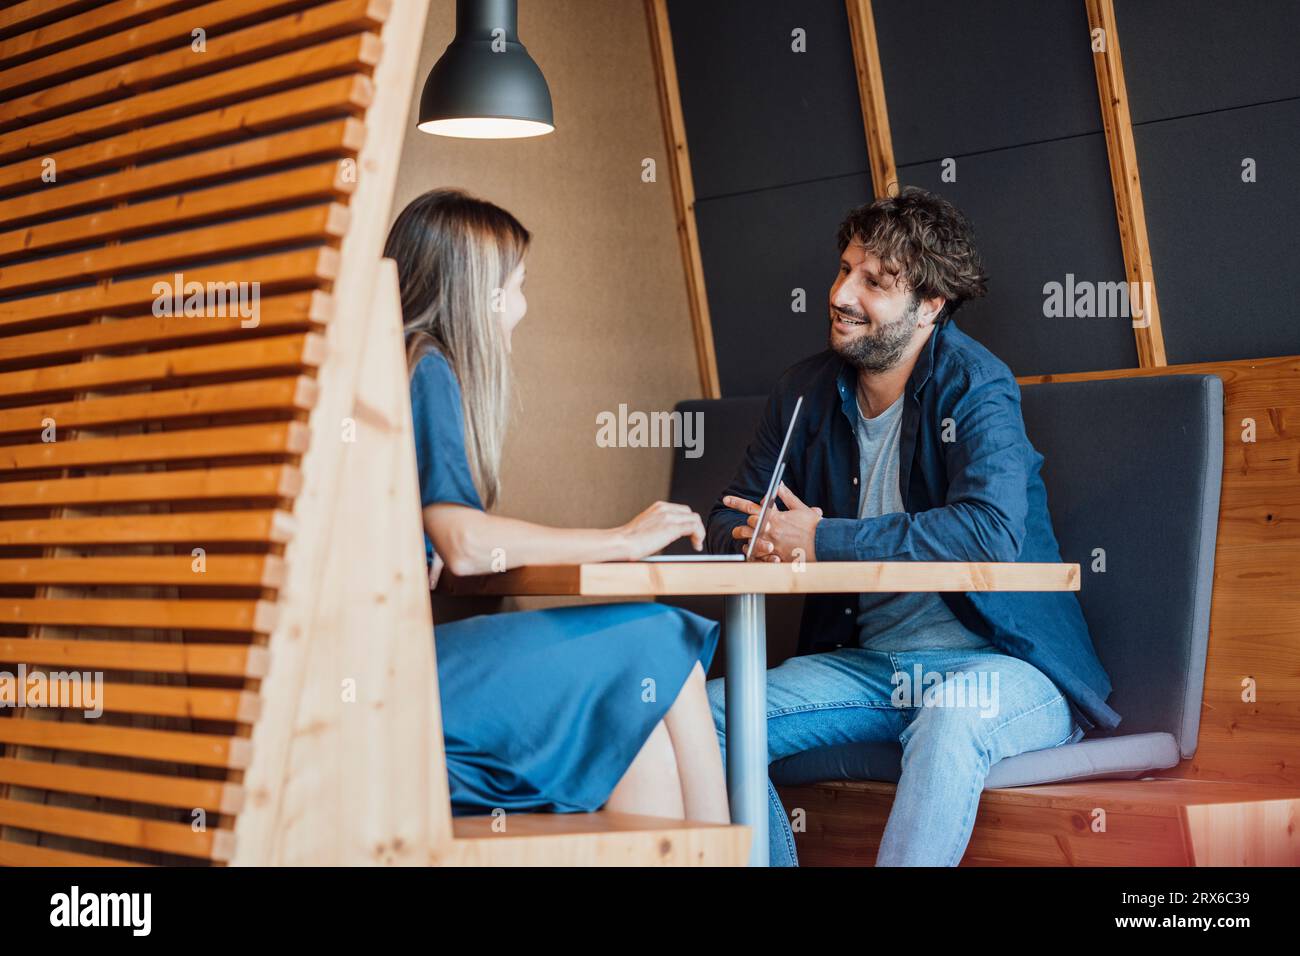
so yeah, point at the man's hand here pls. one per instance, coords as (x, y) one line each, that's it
(784, 532)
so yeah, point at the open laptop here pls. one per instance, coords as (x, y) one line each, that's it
(778, 469)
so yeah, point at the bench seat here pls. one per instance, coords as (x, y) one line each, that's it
(1154, 821)
(1130, 755)
(603, 838)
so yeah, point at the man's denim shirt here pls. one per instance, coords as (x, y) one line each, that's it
(976, 497)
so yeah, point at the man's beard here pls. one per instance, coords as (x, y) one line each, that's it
(883, 350)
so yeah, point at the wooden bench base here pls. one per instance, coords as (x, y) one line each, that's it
(1150, 822)
(592, 839)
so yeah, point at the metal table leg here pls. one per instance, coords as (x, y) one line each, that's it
(746, 683)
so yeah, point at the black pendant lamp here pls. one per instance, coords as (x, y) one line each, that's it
(486, 86)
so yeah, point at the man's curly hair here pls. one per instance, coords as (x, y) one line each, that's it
(923, 238)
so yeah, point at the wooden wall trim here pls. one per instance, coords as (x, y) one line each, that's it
(871, 95)
(1255, 610)
(670, 111)
(1130, 213)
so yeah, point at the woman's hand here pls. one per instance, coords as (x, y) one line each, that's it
(471, 541)
(659, 526)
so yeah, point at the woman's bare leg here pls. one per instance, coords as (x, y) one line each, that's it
(651, 785)
(699, 760)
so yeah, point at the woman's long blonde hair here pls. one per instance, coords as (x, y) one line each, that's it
(454, 254)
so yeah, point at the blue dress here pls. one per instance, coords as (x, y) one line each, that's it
(542, 710)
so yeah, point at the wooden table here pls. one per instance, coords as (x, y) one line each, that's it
(744, 586)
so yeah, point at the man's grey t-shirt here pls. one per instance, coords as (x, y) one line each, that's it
(897, 621)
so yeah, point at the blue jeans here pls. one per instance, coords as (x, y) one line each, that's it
(962, 712)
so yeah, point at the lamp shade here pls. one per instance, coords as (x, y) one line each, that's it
(485, 85)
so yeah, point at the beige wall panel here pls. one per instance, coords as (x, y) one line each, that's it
(608, 320)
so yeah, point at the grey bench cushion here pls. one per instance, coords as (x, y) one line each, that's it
(1132, 467)
(1127, 756)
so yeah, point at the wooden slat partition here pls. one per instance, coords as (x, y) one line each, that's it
(132, 787)
(156, 467)
(253, 481)
(143, 72)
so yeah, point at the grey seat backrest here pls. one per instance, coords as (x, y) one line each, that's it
(727, 428)
(1133, 468)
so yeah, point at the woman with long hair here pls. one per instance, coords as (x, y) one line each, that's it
(564, 709)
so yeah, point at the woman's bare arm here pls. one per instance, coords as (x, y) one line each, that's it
(467, 539)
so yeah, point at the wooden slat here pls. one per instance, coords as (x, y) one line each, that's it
(340, 137)
(688, 238)
(297, 311)
(197, 484)
(220, 570)
(322, 182)
(255, 617)
(228, 240)
(275, 438)
(133, 64)
(179, 838)
(1125, 181)
(202, 750)
(264, 355)
(277, 273)
(193, 703)
(200, 527)
(309, 104)
(29, 14)
(296, 393)
(213, 660)
(871, 97)
(187, 793)
(23, 854)
(353, 53)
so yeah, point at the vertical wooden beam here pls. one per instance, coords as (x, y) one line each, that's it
(367, 772)
(871, 95)
(1127, 185)
(670, 109)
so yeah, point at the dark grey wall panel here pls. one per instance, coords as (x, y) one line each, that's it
(1193, 56)
(1224, 251)
(757, 248)
(758, 114)
(1039, 213)
(962, 76)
